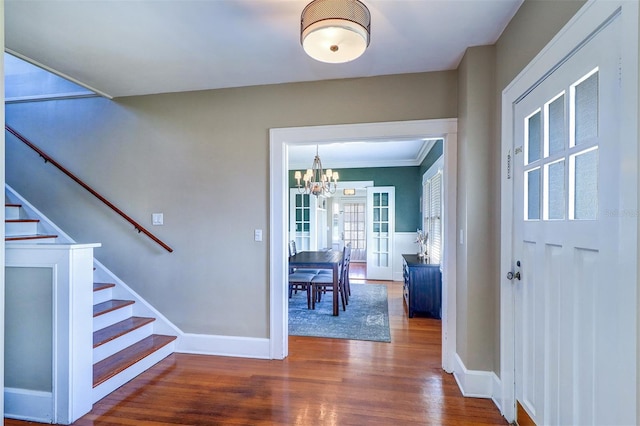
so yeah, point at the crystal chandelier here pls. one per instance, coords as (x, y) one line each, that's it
(317, 181)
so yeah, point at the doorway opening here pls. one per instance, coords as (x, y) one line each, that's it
(282, 139)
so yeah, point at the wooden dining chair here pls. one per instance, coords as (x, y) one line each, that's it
(301, 281)
(323, 282)
(300, 278)
(292, 252)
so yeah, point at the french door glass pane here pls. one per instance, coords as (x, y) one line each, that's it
(555, 191)
(556, 126)
(586, 110)
(586, 185)
(532, 189)
(534, 138)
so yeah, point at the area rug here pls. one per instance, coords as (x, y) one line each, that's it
(366, 317)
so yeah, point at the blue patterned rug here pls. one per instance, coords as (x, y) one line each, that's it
(366, 317)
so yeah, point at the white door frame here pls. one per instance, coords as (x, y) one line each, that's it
(577, 30)
(281, 139)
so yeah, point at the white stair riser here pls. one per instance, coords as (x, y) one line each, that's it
(141, 366)
(20, 228)
(112, 317)
(116, 345)
(102, 295)
(11, 212)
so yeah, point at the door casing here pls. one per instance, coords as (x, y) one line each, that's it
(281, 139)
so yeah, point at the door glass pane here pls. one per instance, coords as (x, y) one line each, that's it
(385, 199)
(532, 189)
(555, 191)
(385, 214)
(586, 185)
(556, 126)
(298, 200)
(534, 137)
(384, 244)
(376, 199)
(385, 227)
(376, 214)
(586, 109)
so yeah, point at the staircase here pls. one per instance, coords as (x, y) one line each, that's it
(124, 341)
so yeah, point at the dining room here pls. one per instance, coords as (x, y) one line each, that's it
(371, 203)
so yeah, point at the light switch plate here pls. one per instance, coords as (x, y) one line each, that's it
(257, 234)
(157, 218)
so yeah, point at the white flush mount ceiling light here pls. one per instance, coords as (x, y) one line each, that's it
(335, 31)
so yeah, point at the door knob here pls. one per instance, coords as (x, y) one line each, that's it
(511, 275)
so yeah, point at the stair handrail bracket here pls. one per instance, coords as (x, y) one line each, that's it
(48, 159)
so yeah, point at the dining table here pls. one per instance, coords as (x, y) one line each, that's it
(324, 259)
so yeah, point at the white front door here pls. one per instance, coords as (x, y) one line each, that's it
(575, 301)
(381, 209)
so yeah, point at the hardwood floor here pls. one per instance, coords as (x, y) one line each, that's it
(321, 382)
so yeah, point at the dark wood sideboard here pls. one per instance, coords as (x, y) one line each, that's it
(422, 286)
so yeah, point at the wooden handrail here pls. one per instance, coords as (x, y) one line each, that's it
(48, 159)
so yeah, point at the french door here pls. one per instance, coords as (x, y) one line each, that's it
(575, 299)
(380, 230)
(353, 227)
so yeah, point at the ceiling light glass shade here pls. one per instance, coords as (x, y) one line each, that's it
(335, 31)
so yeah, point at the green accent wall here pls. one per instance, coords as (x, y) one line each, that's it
(407, 181)
(432, 156)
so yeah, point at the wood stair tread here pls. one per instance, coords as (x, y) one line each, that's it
(102, 286)
(22, 220)
(110, 305)
(118, 329)
(120, 361)
(29, 237)
(12, 205)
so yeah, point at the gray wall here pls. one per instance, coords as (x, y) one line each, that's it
(476, 256)
(202, 159)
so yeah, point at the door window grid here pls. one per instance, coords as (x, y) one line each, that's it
(354, 225)
(550, 187)
(381, 229)
(302, 222)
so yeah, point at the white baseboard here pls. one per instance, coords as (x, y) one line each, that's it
(234, 346)
(23, 404)
(476, 383)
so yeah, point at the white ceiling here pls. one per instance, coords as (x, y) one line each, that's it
(136, 47)
(397, 153)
